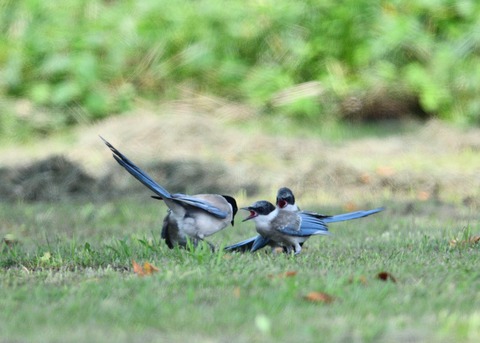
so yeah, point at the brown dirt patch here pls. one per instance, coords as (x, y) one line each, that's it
(199, 146)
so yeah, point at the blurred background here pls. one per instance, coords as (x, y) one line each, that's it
(339, 100)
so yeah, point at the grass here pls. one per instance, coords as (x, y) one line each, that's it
(70, 279)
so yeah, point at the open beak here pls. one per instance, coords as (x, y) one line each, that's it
(252, 215)
(281, 203)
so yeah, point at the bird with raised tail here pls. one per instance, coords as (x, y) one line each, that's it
(191, 217)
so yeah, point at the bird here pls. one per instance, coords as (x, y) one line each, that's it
(289, 229)
(286, 200)
(189, 217)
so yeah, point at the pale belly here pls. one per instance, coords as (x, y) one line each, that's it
(202, 226)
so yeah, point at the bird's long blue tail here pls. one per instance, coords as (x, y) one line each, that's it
(139, 174)
(350, 215)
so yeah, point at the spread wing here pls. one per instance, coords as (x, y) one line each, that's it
(199, 203)
(306, 225)
(245, 245)
(259, 243)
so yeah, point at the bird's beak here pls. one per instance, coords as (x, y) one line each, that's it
(252, 215)
(281, 203)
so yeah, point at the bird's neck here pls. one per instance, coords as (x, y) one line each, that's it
(264, 221)
(291, 208)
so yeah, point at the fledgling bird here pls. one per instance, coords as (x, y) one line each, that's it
(284, 228)
(191, 217)
(286, 200)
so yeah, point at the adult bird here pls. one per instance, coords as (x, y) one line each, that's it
(286, 200)
(191, 217)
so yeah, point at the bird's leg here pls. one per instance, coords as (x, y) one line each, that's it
(298, 248)
(191, 243)
(212, 247)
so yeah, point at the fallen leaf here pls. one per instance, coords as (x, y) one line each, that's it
(466, 242)
(236, 292)
(474, 239)
(149, 268)
(137, 269)
(319, 297)
(386, 276)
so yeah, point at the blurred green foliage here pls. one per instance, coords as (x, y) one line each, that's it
(88, 59)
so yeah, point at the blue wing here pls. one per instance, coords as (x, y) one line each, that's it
(245, 245)
(310, 225)
(144, 178)
(251, 244)
(303, 232)
(199, 203)
(259, 243)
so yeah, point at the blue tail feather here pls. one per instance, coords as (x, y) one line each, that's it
(351, 215)
(162, 193)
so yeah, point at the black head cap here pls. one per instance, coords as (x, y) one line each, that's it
(285, 197)
(232, 203)
(261, 207)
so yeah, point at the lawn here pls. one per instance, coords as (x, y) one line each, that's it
(69, 278)
(339, 101)
(66, 266)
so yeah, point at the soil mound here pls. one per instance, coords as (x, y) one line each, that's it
(52, 179)
(56, 179)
